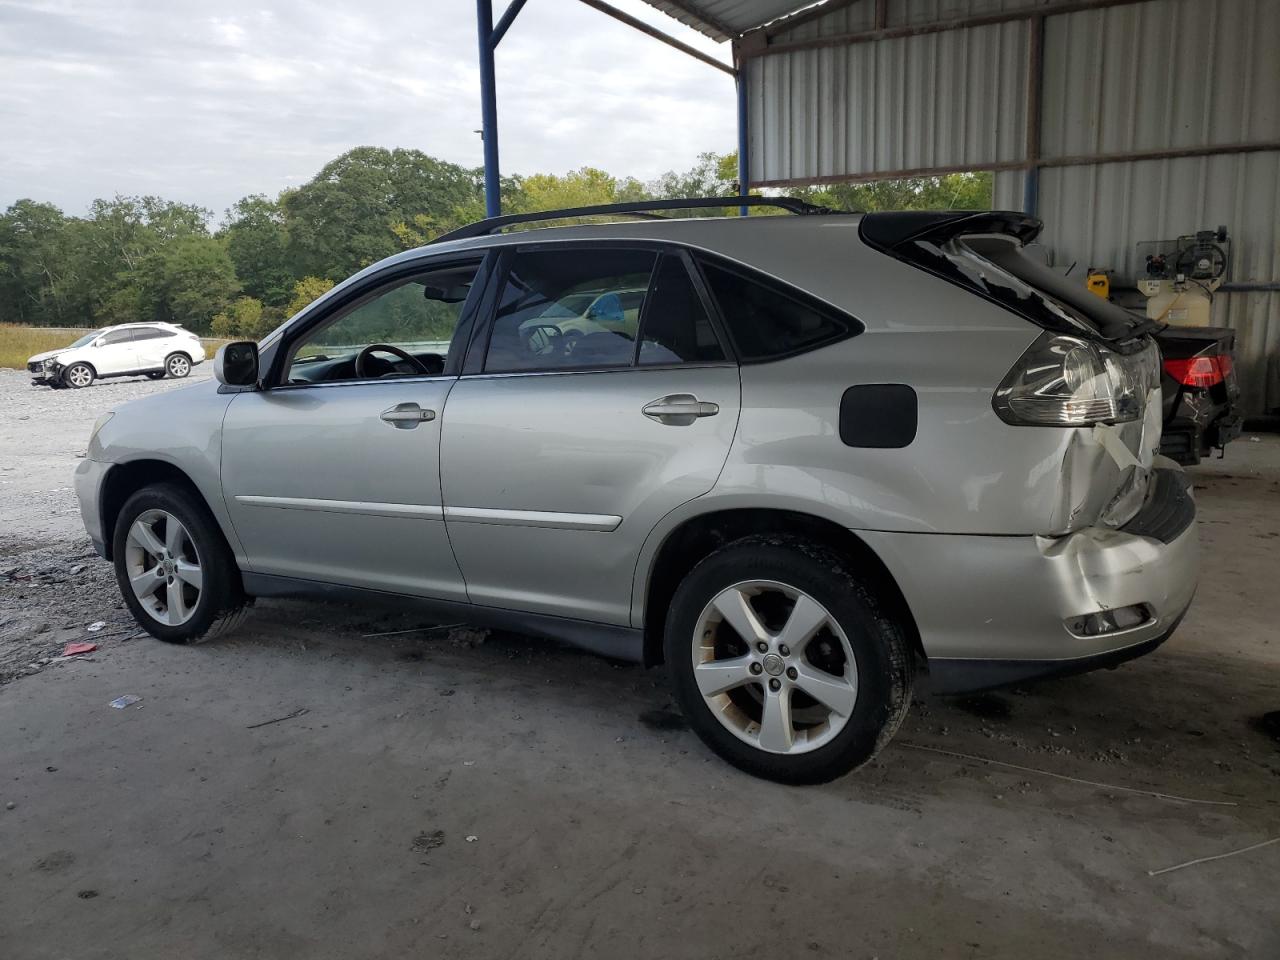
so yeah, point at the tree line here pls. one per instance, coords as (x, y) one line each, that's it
(138, 259)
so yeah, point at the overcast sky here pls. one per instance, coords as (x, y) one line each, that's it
(207, 102)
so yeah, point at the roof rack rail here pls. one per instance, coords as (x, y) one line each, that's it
(639, 208)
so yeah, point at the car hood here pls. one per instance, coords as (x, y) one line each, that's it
(47, 355)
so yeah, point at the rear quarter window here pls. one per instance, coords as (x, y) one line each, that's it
(767, 321)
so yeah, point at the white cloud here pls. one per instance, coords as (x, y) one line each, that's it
(168, 98)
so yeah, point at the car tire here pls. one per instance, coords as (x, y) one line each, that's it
(157, 374)
(858, 658)
(149, 568)
(78, 375)
(177, 365)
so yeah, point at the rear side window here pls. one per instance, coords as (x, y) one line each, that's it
(767, 324)
(676, 327)
(151, 333)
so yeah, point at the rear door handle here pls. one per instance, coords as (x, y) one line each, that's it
(679, 409)
(406, 416)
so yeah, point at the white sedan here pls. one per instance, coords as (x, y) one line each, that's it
(157, 350)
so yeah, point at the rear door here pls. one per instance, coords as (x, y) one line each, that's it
(587, 414)
(153, 345)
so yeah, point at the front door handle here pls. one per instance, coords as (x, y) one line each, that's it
(406, 416)
(679, 409)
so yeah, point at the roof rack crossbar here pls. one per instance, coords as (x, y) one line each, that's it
(639, 208)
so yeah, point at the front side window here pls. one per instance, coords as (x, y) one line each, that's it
(115, 337)
(766, 323)
(569, 309)
(402, 329)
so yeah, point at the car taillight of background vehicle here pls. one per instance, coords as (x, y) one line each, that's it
(1064, 381)
(1199, 371)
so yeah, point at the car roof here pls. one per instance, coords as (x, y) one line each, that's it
(145, 323)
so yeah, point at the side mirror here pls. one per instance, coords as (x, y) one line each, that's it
(236, 364)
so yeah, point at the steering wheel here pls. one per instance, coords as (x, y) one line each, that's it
(362, 359)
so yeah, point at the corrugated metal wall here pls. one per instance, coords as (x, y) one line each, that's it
(1159, 75)
(939, 100)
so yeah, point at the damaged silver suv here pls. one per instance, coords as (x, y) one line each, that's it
(802, 460)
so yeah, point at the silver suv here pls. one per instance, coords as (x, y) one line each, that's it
(802, 460)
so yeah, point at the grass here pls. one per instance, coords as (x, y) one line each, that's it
(18, 343)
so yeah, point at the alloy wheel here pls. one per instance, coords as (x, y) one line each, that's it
(80, 375)
(179, 366)
(774, 667)
(163, 567)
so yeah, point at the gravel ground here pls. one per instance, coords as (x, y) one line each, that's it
(321, 785)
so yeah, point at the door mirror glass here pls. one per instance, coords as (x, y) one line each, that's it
(236, 364)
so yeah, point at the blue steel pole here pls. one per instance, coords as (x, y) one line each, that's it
(744, 160)
(488, 108)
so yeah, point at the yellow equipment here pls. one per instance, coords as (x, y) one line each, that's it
(1099, 283)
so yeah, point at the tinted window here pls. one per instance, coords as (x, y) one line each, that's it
(765, 323)
(116, 336)
(151, 333)
(416, 315)
(569, 309)
(676, 326)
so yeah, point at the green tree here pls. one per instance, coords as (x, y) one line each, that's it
(244, 318)
(952, 191)
(189, 281)
(38, 277)
(341, 220)
(714, 175)
(258, 242)
(306, 291)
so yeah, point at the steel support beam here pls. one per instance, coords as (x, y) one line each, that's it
(489, 36)
(744, 141)
(1079, 160)
(1035, 87)
(488, 108)
(612, 11)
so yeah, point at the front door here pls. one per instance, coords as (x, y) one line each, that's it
(114, 352)
(332, 474)
(605, 400)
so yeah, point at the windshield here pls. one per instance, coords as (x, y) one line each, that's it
(87, 338)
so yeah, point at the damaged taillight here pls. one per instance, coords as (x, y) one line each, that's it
(1065, 381)
(1199, 371)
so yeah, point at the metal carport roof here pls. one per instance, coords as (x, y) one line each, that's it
(726, 19)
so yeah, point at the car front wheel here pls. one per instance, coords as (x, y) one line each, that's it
(175, 570)
(78, 375)
(783, 661)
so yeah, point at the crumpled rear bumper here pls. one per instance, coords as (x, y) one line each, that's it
(995, 610)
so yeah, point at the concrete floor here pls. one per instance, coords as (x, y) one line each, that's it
(516, 799)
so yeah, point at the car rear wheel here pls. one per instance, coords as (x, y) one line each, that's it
(78, 375)
(177, 365)
(783, 661)
(175, 570)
